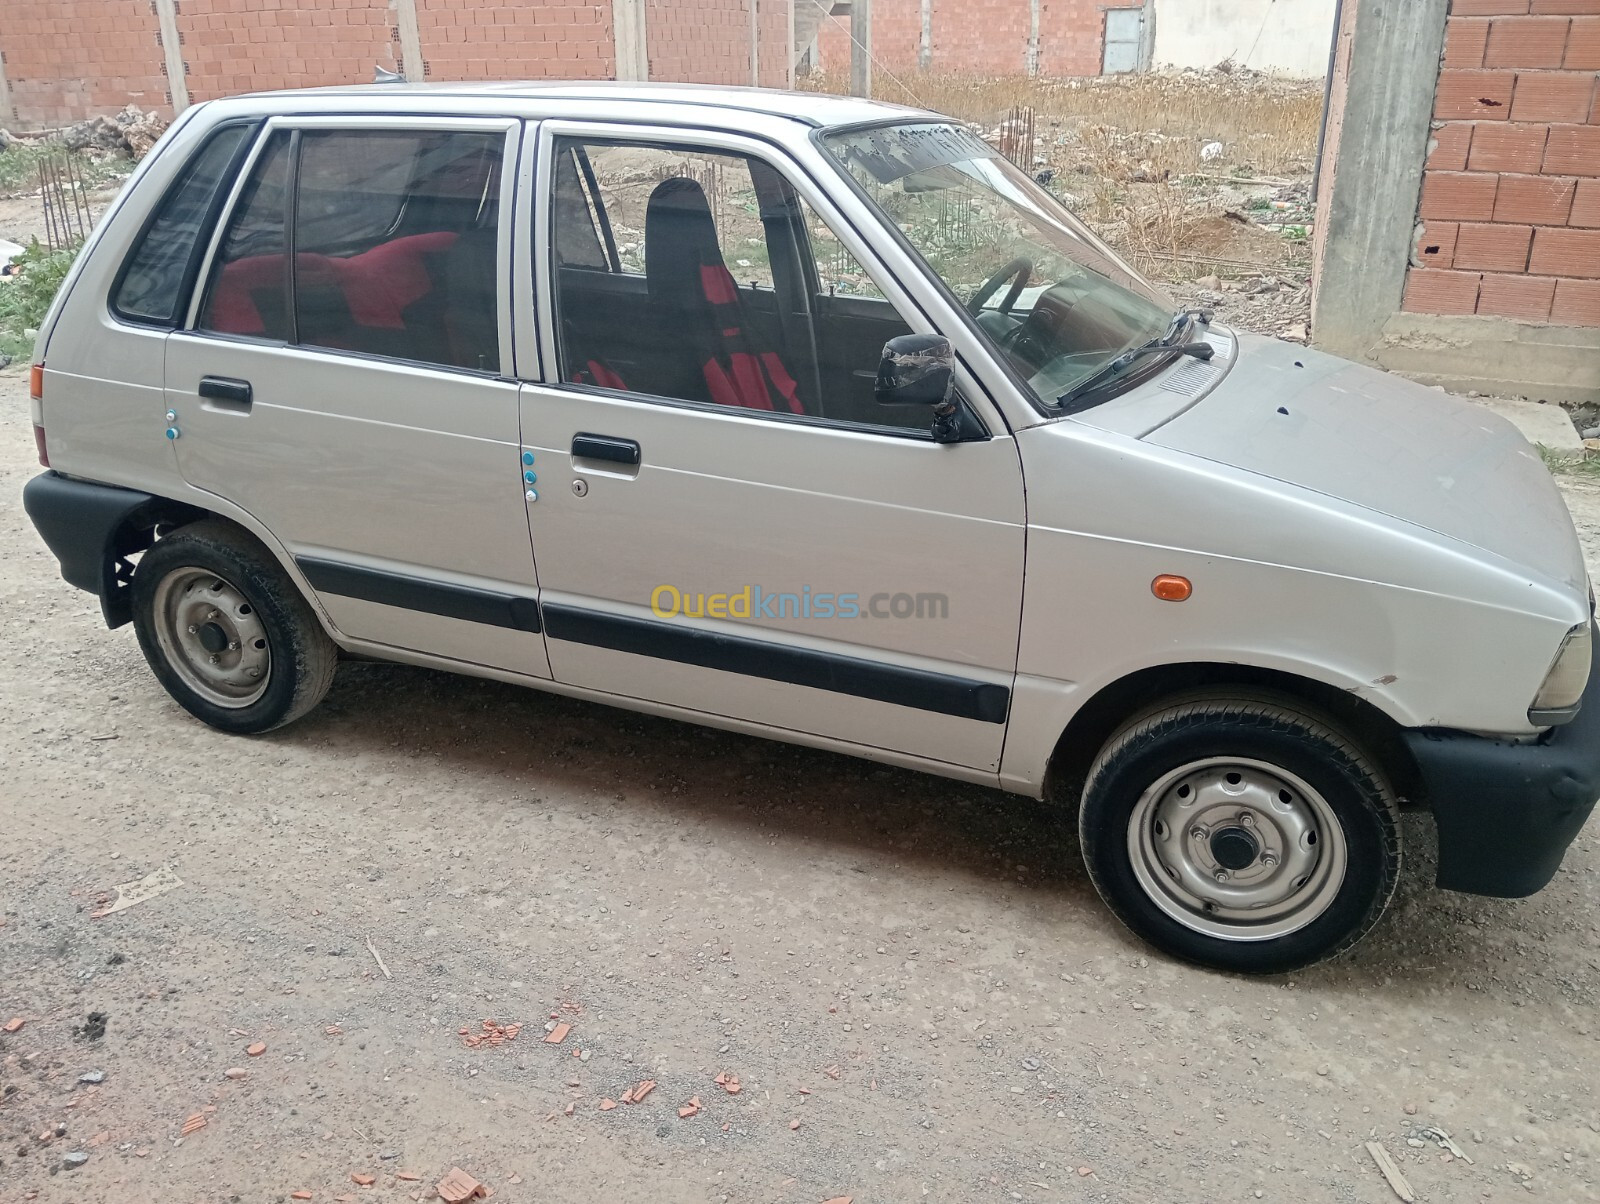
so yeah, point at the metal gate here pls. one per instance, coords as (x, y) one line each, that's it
(1124, 40)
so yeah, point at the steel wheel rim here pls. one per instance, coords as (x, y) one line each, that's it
(212, 637)
(1274, 839)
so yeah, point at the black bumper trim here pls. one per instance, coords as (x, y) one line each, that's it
(1506, 812)
(90, 528)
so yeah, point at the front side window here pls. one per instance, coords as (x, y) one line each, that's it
(395, 246)
(1058, 303)
(154, 282)
(703, 276)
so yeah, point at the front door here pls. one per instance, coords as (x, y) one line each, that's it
(726, 520)
(345, 380)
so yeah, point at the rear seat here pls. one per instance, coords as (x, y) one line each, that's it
(389, 300)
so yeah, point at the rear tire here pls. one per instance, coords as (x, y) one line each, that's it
(1240, 833)
(226, 632)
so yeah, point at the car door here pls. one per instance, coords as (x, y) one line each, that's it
(720, 526)
(345, 379)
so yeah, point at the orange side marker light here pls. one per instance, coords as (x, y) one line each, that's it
(1171, 588)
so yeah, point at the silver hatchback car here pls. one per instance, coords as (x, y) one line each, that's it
(817, 419)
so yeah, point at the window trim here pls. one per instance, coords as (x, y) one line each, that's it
(916, 316)
(511, 130)
(186, 282)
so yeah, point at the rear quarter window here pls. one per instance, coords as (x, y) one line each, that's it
(158, 272)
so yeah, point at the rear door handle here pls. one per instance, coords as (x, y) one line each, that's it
(232, 394)
(605, 447)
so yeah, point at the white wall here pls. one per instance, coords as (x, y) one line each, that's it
(1286, 37)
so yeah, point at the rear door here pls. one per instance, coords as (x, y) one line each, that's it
(345, 379)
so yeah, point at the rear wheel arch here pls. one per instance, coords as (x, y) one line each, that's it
(162, 516)
(1122, 701)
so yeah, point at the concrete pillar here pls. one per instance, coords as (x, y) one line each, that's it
(628, 37)
(411, 66)
(8, 115)
(861, 47)
(172, 54)
(1032, 60)
(789, 49)
(1368, 212)
(755, 43)
(925, 41)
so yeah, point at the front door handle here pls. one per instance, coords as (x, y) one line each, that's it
(232, 394)
(605, 447)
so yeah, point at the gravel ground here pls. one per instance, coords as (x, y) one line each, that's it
(912, 980)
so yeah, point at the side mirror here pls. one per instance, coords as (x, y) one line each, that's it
(920, 369)
(916, 369)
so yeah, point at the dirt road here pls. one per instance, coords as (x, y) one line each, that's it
(913, 981)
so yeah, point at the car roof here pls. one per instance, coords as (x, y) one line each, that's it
(817, 109)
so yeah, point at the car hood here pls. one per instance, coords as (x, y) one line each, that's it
(1387, 444)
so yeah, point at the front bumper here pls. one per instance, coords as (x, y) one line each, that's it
(1506, 812)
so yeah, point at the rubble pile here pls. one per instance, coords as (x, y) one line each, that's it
(132, 132)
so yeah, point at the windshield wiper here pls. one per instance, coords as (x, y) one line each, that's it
(1180, 323)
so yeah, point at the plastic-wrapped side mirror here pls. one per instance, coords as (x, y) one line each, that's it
(920, 369)
(916, 369)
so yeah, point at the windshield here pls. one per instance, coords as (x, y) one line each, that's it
(1058, 303)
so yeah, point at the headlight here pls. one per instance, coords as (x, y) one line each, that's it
(1564, 685)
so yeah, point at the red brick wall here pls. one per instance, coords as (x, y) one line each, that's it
(984, 37)
(515, 39)
(232, 46)
(68, 59)
(1072, 36)
(1510, 207)
(708, 41)
(775, 40)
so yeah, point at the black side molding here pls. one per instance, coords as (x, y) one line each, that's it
(417, 593)
(941, 693)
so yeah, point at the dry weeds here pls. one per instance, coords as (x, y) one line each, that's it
(1126, 153)
(1267, 125)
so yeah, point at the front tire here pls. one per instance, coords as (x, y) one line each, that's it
(1241, 834)
(226, 632)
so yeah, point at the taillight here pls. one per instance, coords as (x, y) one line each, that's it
(36, 394)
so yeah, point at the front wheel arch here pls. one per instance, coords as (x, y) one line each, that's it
(1114, 705)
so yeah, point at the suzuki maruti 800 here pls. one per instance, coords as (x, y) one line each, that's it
(817, 419)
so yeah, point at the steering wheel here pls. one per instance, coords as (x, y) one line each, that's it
(1018, 271)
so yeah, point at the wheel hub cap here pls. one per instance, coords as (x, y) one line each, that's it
(1237, 849)
(212, 637)
(1234, 848)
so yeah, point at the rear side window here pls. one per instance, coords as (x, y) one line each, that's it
(154, 281)
(395, 247)
(247, 293)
